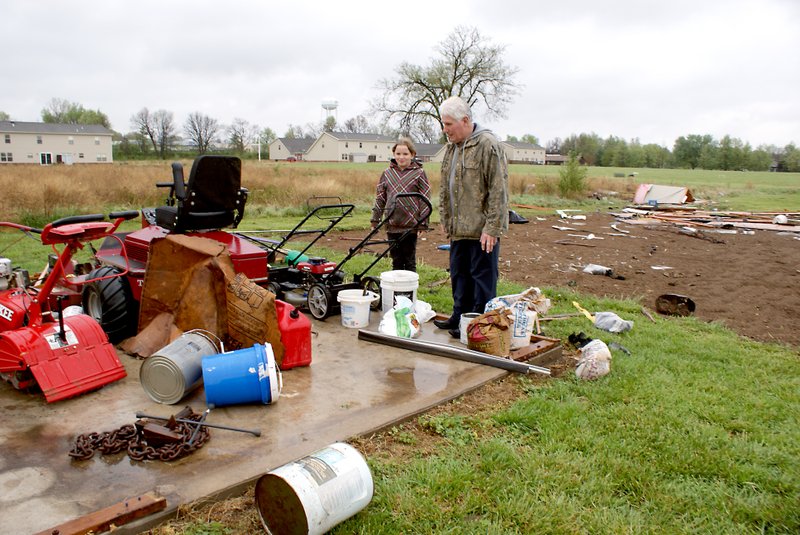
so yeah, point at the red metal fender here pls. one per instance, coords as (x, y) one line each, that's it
(81, 362)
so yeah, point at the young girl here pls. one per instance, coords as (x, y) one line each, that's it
(404, 175)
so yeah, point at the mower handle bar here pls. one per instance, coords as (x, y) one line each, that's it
(88, 218)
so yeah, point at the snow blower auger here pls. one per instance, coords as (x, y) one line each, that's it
(41, 343)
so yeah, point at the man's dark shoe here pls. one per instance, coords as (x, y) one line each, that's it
(449, 323)
(455, 333)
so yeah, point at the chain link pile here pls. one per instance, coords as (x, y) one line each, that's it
(127, 438)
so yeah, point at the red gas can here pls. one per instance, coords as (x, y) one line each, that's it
(295, 330)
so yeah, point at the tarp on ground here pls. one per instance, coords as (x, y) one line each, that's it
(190, 284)
(657, 194)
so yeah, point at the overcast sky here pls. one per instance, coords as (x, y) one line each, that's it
(652, 70)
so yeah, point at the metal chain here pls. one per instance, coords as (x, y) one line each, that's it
(127, 438)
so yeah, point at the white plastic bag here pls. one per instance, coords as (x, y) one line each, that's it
(608, 321)
(400, 322)
(533, 296)
(595, 361)
(424, 311)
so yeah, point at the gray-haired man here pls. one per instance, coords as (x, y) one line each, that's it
(473, 206)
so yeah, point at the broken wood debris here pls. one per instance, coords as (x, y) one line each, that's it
(684, 216)
(568, 242)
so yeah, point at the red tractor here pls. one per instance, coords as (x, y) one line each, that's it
(212, 199)
(41, 343)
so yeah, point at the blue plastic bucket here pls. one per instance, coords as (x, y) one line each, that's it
(242, 376)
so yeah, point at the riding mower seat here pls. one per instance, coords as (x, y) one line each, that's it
(212, 199)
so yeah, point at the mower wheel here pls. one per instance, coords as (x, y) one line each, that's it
(373, 284)
(319, 301)
(110, 302)
(275, 288)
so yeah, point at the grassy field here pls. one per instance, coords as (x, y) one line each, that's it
(697, 431)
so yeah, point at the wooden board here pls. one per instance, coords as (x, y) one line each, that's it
(115, 515)
(542, 351)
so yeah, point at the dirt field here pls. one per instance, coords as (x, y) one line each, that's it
(750, 282)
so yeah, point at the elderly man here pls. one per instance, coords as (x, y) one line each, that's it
(473, 204)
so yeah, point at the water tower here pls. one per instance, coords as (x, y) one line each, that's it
(330, 105)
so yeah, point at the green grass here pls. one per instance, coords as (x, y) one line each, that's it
(696, 432)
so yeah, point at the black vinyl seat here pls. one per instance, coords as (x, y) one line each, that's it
(212, 199)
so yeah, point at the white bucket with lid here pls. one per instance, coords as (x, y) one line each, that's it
(355, 307)
(395, 283)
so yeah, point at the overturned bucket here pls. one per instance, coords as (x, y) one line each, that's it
(242, 376)
(313, 494)
(176, 369)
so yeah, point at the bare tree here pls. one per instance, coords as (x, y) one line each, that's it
(468, 65)
(358, 125)
(165, 131)
(144, 124)
(201, 129)
(241, 134)
(294, 132)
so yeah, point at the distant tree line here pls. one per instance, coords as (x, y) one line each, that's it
(688, 152)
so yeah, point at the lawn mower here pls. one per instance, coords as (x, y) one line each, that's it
(327, 278)
(42, 341)
(289, 278)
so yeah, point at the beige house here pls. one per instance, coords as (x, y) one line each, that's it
(518, 152)
(284, 148)
(430, 152)
(49, 143)
(349, 147)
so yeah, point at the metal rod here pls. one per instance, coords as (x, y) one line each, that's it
(197, 428)
(254, 432)
(446, 350)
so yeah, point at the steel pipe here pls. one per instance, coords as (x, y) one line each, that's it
(254, 432)
(446, 350)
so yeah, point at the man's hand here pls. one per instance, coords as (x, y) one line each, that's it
(487, 242)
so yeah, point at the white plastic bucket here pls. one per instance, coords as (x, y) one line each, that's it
(398, 282)
(462, 325)
(355, 307)
(315, 493)
(176, 369)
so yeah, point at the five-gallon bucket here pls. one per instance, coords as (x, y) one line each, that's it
(176, 369)
(242, 376)
(395, 283)
(315, 493)
(355, 307)
(295, 330)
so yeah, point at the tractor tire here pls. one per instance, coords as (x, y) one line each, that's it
(320, 301)
(110, 302)
(373, 284)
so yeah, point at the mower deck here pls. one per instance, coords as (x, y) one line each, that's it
(352, 387)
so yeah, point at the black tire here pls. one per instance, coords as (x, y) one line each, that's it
(319, 301)
(373, 284)
(110, 302)
(275, 288)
